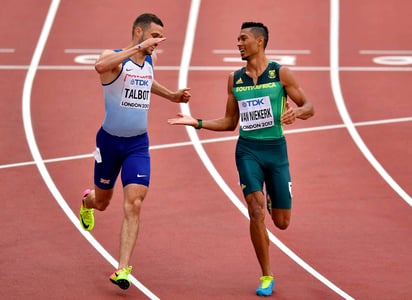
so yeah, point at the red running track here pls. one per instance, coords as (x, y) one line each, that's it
(348, 223)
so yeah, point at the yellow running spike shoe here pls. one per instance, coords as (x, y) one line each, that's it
(121, 278)
(86, 214)
(266, 286)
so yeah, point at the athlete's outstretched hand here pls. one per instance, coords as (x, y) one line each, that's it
(183, 120)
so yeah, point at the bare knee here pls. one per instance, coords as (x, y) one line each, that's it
(134, 195)
(281, 218)
(133, 206)
(256, 207)
(256, 213)
(101, 206)
(101, 202)
(282, 225)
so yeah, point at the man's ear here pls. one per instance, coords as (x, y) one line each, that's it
(261, 40)
(138, 31)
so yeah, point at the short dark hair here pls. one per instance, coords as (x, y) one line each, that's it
(258, 29)
(144, 21)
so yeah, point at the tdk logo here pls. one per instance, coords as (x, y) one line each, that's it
(139, 82)
(253, 102)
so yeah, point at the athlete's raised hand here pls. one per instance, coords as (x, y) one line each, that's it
(150, 43)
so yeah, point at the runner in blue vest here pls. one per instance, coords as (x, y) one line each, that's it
(122, 144)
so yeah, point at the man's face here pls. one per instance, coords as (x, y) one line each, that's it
(154, 31)
(247, 43)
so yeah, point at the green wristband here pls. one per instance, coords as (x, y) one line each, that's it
(200, 123)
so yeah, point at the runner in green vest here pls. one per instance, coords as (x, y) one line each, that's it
(257, 99)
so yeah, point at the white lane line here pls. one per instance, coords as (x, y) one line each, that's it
(7, 50)
(376, 69)
(382, 52)
(215, 140)
(183, 75)
(340, 103)
(213, 68)
(27, 88)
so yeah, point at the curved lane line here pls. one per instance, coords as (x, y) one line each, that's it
(183, 75)
(27, 122)
(340, 103)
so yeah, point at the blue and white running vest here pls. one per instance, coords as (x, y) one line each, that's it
(127, 99)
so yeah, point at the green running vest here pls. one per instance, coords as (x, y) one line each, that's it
(260, 105)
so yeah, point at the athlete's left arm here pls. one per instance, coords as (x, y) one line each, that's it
(304, 109)
(182, 95)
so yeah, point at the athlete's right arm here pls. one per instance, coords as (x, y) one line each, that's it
(227, 123)
(231, 119)
(109, 64)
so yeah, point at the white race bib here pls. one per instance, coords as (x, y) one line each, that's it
(255, 113)
(136, 92)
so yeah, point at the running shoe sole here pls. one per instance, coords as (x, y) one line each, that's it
(121, 283)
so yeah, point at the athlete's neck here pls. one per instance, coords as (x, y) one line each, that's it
(256, 66)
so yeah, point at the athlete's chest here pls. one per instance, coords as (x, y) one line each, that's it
(267, 84)
(136, 85)
(137, 76)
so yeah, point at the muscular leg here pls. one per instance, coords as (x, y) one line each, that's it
(257, 209)
(134, 195)
(98, 198)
